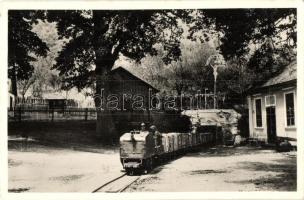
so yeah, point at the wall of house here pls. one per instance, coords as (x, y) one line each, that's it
(281, 125)
(11, 101)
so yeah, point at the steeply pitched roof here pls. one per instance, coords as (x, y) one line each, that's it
(289, 73)
(134, 76)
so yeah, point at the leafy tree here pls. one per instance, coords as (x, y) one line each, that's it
(43, 78)
(235, 79)
(23, 45)
(239, 29)
(24, 85)
(268, 61)
(98, 38)
(256, 43)
(190, 73)
(186, 75)
(154, 70)
(46, 77)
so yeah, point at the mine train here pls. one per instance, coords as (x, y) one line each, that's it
(140, 151)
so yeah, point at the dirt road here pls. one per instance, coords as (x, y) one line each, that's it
(39, 168)
(224, 169)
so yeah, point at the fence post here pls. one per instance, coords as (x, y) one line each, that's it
(86, 114)
(216, 136)
(20, 114)
(52, 115)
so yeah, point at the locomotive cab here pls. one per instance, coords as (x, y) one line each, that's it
(136, 149)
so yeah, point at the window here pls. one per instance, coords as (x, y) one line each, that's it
(258, 112)
(270, 100)
(290, 113)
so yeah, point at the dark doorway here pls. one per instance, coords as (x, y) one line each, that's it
(271, 124)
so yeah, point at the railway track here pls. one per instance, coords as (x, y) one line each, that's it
(118, 184)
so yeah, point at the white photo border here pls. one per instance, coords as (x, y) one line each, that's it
(129, 4)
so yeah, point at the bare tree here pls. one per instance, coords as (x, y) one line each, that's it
(24, 85)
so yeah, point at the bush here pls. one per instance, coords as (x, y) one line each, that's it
(243, 123)
(284, 146)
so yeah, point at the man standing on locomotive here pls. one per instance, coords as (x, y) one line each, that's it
(142, 127)
(195, 127)
(157, 136)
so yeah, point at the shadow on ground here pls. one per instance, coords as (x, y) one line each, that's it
(281, 173)
(224, 151)
(162, 164)
(17, 143)
(284, 179)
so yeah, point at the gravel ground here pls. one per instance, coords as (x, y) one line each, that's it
(40, 168)
(224, 169)
(44, 168)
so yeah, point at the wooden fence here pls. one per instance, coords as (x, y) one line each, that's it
(45, 114)
(20, 114)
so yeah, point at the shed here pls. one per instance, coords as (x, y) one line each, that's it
(131, 97)
(57, 101)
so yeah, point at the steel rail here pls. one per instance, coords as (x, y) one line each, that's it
(107, 183)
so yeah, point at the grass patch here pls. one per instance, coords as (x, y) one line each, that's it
(19, 190)
(208, 171)
(67, 179)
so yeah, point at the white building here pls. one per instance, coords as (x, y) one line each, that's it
(273, 106)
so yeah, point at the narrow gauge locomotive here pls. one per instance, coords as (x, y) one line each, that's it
(141, 150)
